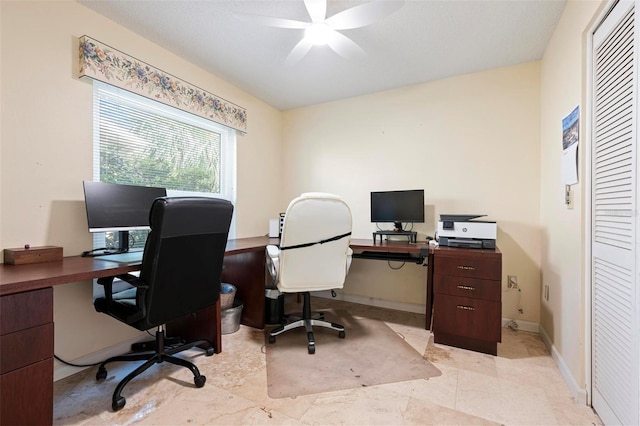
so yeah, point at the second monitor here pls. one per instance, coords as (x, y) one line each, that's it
(397, 207)
(119, 208)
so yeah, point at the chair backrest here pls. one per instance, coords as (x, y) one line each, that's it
(182, 261)
(311, 218)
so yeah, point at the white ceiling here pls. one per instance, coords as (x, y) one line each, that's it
(424, 40)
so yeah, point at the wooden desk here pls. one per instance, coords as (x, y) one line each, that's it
(26, 324)
(246, 270)
(26, 321)
(26, 332)
(420, 248)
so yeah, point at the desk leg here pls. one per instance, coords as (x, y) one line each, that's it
(429, 301)
(247, 272)
(204, 324)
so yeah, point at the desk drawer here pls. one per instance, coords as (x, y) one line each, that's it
(26, 310)
(467, 317)
(26, 347)
(27, 395)
(467, 287)
(472, 267)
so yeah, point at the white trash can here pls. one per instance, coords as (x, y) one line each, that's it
(227, 295)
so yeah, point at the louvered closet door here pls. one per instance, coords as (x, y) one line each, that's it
(615, 301)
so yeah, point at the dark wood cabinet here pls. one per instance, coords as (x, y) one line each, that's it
(467, 305)
(26, 358)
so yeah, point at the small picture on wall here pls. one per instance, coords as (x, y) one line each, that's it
(570, 139)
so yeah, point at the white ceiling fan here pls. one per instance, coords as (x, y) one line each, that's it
(322, 30)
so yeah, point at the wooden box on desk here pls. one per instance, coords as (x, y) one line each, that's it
(21, 256)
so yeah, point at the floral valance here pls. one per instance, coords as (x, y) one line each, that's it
(101, 62)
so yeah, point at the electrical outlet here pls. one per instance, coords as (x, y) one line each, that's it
(512, 281)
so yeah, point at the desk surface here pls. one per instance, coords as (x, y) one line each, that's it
(33, 276)
(19, 278)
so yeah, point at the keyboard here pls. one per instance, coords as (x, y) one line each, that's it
(378, 255)
(128, 258)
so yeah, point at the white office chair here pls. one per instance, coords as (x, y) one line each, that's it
(314, 255)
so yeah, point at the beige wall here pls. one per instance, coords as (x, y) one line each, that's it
(472, 143)
(563, 86)
(46, 148)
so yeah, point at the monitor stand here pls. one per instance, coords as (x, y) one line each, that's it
(412, 236)
(123, 247)
(123, 241)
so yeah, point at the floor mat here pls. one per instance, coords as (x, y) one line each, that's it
(370, 354)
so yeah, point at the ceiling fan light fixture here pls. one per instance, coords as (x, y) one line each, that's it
(318, 33)
(323, 30)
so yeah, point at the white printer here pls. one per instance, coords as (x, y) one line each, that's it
(457, 230)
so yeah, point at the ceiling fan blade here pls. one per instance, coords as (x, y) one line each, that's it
(317, 9)
(298, 52)
(364, 14)
(270, 21)
(344, 46)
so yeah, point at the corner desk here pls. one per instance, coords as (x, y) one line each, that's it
(27, 331)
(26, 307)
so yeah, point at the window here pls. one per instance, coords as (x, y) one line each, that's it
(138, 141)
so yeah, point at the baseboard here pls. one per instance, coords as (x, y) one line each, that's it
(380, 303)
(60, 370)
(532, 327)
(579, 394)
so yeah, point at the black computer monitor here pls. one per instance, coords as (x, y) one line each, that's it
(121, 208)
(397, 206)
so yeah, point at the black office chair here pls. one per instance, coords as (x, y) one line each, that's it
(181, 269)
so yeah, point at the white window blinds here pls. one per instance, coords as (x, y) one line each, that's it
(138, 141)
(142, 142)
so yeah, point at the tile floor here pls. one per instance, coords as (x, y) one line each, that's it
(520, 386)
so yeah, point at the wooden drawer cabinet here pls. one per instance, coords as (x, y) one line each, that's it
(458, 263)
(26, 358)
(473, 318)
(467, 288)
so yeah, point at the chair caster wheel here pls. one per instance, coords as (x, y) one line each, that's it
(210, 351)
(101, 374)
(341, 334)
(272, 339)
(118, 404)
(199, 381)
(312, 349)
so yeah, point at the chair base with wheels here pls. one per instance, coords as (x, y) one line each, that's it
(161, 354)
(307, 320)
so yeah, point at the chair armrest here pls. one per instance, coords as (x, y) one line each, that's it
(107, 283)
(133, 280)
(273, 262)
(349, 257)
